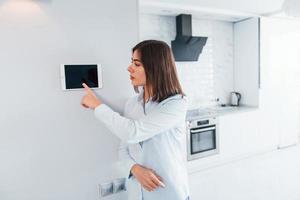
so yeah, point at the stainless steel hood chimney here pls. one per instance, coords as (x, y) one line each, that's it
(186, 47)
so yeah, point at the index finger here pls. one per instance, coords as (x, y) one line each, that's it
(86, 87)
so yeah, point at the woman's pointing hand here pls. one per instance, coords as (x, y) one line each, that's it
(90, 100)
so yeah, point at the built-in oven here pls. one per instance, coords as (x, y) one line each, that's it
(202, 138)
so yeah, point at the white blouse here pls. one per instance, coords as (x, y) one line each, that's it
(152, 135)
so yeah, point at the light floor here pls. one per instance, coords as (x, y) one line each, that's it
(271, 176)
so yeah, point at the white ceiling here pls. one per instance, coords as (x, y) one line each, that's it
(248, 6)
(229, 10)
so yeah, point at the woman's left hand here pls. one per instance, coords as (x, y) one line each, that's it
(90, 100)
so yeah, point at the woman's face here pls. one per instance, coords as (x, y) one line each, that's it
(136, 70)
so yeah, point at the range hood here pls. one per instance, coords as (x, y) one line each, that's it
(186, 47)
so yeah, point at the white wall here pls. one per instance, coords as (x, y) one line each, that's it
(211, 76)
(50, 147)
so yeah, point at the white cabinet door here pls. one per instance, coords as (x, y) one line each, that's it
(280, 82)
(246, 60)
(246, 133)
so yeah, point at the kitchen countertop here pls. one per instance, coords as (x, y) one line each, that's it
(216, 111)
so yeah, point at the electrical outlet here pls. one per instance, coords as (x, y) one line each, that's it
(106, 189)
(119, 185)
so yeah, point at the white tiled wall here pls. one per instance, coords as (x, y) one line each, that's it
(211, 76)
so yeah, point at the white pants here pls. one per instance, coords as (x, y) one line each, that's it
(134, 189)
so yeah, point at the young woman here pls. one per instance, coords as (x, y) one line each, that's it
(152, 129)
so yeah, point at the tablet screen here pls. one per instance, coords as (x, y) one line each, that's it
(75, 75)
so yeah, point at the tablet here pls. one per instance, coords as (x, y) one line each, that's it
(73, 75)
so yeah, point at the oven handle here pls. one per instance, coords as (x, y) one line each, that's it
(202, 130)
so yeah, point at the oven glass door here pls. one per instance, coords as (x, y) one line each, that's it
(203, 139)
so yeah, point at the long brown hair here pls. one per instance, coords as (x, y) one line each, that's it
(161, 75)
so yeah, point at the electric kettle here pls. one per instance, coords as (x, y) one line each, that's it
(235, 98)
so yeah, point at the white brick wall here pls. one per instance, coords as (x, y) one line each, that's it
(211, 76)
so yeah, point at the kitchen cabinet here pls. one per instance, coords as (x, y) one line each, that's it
(246, 60)
(267, 71)
(243, 134)
(280, 83)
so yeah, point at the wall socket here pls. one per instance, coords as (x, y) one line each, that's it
(106, 189)
(119, 185)
(115, 186)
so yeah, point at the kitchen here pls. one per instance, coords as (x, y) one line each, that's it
(52, 149)
(250, 129)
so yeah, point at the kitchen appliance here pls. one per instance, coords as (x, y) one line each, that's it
(235, 98)
(202, 137)
(186, 47)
